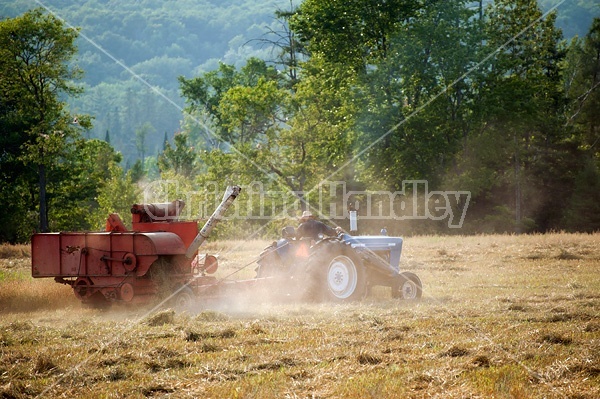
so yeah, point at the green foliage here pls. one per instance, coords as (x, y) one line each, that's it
(160, 41)
(465, 98)
(583, 212)
(233, 98)
(250, 112)
(354, 33)
(141, 132)
(77, 183)
(34, 54)
(52, 173)
(322, 126)
(518, 109)
(582, 84)
(419, 105)
(118, 193)
(245, 110)
(181, 159)
(137, 171)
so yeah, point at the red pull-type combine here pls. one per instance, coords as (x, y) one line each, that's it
(154, 259)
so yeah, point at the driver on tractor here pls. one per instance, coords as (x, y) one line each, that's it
(314, 229)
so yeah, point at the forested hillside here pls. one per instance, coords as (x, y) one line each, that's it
(154, 42)
(574, 17)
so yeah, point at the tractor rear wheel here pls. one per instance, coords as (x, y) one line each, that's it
(269, 263)
(335, 273)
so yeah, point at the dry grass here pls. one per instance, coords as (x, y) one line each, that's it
(14, 251)
(501, 317)
(21, 293)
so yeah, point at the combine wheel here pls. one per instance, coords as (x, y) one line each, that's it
(127, 292)
(89, 295)
(407, 286)
(336, 273)
(97, 301)
(82, 288)
(183, 299)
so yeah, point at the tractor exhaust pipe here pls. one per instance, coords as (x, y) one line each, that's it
(230, 195)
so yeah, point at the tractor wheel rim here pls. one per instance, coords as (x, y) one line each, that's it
(342, 277)
(409, 290)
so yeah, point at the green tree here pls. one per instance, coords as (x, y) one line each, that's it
(582, 86)
(204, 94)
(236, 111)
(420, 98)
(182, 159)
(35, 51)
(141, 132)
(77, 182)
(345, 41)
(250, 114)
(290, 52)
(355, 33)
(321, 135)
(251, 110)
(583, 212)
(116, 195)
(521, 96)
(515, 158)
(137, 172)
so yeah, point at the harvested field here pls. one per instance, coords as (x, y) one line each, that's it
(501, 317)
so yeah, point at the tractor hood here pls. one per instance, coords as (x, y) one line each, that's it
(378, 243)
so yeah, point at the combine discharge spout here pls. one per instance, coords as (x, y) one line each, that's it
(230, 195)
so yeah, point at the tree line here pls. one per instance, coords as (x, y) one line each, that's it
(486, 99)
(158, 41)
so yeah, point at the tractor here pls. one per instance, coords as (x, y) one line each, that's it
(340, 268)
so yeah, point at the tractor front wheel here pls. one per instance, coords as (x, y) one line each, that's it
(407, 286)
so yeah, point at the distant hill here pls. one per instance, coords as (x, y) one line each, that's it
(154, 42)
(574, 17)
(132, 52)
